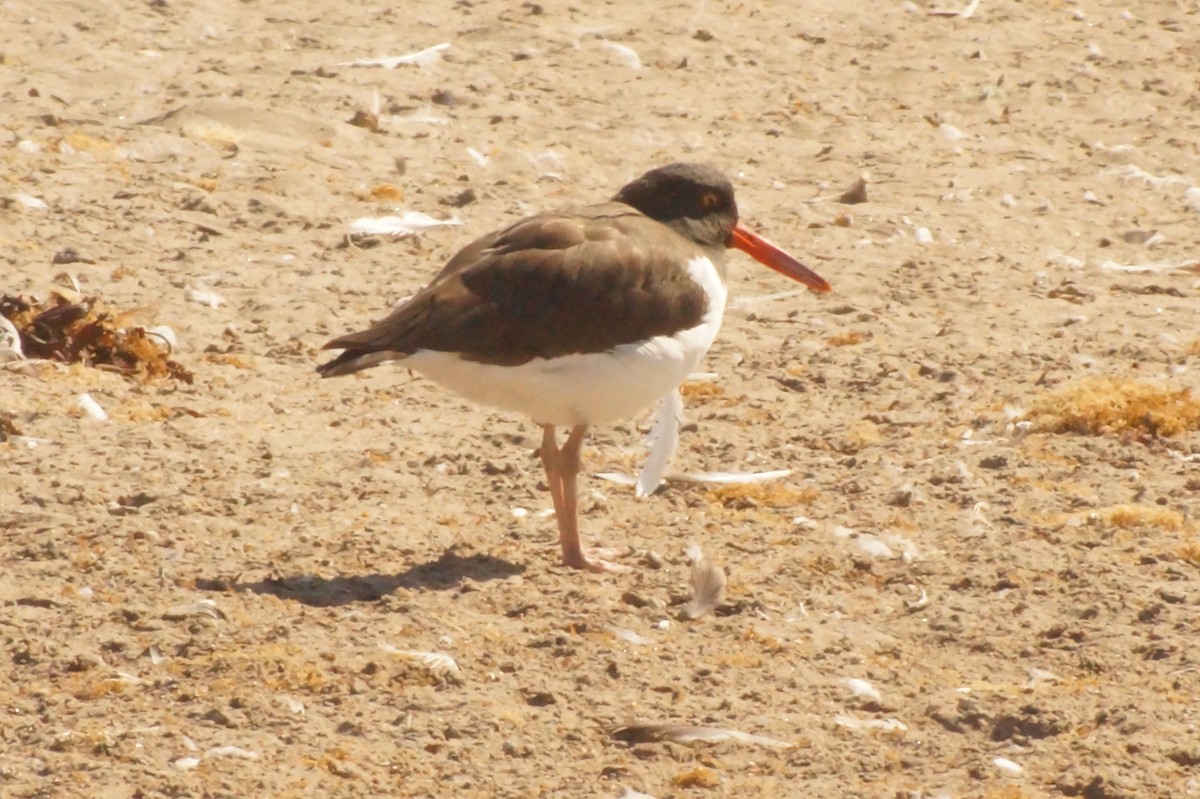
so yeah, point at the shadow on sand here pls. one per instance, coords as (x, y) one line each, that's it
(447, 572)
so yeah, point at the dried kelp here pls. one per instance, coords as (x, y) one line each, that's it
(72, 329)
(7, 428)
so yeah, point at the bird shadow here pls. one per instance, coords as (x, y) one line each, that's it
(445, 573)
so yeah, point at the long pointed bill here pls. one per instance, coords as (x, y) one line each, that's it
(768, 254)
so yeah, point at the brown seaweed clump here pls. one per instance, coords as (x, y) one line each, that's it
(59, 329)
(1110, 406)
(7, 428)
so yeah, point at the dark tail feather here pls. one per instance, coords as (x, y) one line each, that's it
(352, 361)
(389, 339)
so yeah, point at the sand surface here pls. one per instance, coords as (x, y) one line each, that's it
(213, 593)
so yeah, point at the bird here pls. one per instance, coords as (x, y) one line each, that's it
(577, 317)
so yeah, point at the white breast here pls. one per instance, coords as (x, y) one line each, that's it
(587, 389)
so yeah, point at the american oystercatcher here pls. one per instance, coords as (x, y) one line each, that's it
(577, 317)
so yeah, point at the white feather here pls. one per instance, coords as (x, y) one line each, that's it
(731, 478)
(1153, 266)
(663, 441)
(713, 478)
(422, 57)
(407, 224)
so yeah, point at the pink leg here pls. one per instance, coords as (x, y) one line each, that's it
(562, 467)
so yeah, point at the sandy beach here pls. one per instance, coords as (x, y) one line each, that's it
(980, 576)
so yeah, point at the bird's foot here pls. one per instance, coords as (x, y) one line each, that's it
(599, 559)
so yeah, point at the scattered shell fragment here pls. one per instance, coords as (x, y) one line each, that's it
(1116, 153)
(631, 637)
(1006, 765)
(92, 408)
(949, 132)
(1130, 173)
(862, 689)
(979, 521)
(436, 662)
(856, 193)
(919, 603)
(888, 726)
(28, 201)
(707, 582)
(10, 341)
(125, 678)
(1192, 196)
(1062, 259)
(627, 54)
(1038, 677)
(67, 287)
(202, 294)
(873, 547)
(878, 546)
(165, 334)
(366, 120)
(231, 751)
(966, 13)
(204, 608)
(630, 793)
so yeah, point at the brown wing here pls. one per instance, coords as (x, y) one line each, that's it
(550, 285)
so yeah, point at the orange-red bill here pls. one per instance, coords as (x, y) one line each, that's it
(768, 254)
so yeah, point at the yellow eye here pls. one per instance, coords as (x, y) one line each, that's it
(709, 200)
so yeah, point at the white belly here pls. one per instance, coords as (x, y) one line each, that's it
(586, 389)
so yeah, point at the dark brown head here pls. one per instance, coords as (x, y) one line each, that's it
(696, 201)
